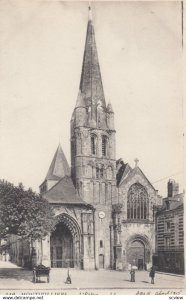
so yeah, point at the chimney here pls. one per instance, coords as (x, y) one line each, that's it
(167, 203)
(173, 188)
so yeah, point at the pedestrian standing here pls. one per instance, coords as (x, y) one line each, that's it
(132, 273)
(152, 274)
(68, 280)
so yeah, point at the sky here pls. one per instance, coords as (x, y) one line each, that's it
(140, 55)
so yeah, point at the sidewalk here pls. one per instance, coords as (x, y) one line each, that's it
(171, 274)
(8, 265)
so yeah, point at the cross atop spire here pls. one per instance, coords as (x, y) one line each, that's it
(89, 11)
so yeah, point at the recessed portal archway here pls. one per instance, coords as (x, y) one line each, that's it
(138, 252)
(65, 243)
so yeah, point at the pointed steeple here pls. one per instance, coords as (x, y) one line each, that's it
(59, 167)
(91, 83)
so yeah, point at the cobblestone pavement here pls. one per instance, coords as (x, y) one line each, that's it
(16, 278)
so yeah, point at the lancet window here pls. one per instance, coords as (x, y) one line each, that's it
(104, 145)
(93, 144)
(99, 172)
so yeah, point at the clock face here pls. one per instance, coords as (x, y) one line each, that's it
(101, 214)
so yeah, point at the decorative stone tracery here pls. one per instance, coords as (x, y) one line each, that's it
(70, 223)
(137, 202)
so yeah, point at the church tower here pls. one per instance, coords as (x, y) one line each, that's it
(92, 132)
(93, 162)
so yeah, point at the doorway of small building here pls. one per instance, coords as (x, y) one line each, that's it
(101, 261)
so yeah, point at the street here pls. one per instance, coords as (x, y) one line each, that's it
(16, 278)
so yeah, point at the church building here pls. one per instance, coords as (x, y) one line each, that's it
(103, 206)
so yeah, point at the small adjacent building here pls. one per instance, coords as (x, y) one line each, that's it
(169, 228)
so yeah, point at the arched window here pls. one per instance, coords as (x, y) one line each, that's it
(93, 144)
(137, 202)
(104, 145)
(99, 172)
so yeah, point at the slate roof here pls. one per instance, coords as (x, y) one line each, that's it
(59, 166)
(63, 192)
(80, 100)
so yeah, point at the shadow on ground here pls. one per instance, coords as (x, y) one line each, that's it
(40, 281)
(18, 274)
(127, 280)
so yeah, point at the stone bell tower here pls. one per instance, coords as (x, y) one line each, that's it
(92, 132)
(93, 163)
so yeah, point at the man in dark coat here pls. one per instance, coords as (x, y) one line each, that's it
(132, 273)
(152, 274)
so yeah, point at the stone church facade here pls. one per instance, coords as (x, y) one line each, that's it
(103, 206)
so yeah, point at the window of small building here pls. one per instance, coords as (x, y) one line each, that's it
(101, 244)
(137, 202)
(167, 226)
(167, 242)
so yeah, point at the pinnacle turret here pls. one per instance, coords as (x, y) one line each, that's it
(109, 108)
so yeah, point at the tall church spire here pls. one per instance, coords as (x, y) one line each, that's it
(91, 84)
(93, 164)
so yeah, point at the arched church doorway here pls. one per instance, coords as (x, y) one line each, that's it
(65, 243)
(138, 253)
